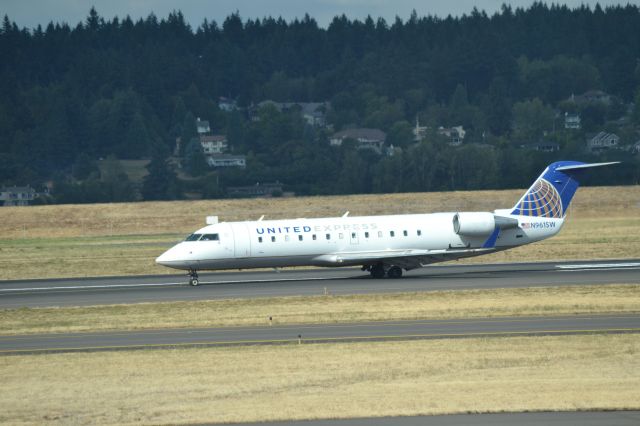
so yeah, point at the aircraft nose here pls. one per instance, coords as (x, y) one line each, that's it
(164, 259)
(174, 258)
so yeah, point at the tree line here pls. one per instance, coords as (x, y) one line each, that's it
(109, 89)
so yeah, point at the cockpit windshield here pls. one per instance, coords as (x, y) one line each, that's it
(203, 237)
(210, 237)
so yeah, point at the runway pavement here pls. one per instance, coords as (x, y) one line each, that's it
(320, 333)
(249, 284)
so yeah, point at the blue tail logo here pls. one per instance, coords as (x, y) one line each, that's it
(542, 200)
(552, 192)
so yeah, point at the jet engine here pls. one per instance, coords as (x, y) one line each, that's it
(474, 224)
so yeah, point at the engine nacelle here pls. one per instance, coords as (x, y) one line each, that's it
(474, 224)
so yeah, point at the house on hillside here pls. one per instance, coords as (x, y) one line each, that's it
(226, 160)
(213, 144)
(544, 146)
(314, 113)
(590, 97)
(17, 195)
(372, 139)
(603, 141)
(202, 126)
(226, 104)
(455, 134)
(257, 190)
(572, 121)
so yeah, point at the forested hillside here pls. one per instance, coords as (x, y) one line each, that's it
(74, 98)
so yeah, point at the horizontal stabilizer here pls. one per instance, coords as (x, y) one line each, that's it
(584, 166)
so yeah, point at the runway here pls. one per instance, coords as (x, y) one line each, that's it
(320, 333)
(251, 284)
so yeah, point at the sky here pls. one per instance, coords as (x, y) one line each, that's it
(30, 13)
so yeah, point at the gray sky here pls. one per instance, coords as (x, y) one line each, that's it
(30, 13)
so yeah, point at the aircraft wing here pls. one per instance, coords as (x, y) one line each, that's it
(407, 259)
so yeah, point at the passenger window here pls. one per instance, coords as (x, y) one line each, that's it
(313, 237)
(379, 234)
(419, 232)
(328, 236)
(299, 237)
(392, 233)
(353, 235)
(193, 237)
(405, 233)
(366, 235)
(259, 239)
(273, 238)
(210, 237)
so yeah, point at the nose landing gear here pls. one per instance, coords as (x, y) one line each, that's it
(193, 278)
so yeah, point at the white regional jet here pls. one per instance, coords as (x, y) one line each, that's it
(382, 245)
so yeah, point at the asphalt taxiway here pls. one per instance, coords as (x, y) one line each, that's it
(320, 333)
(298, 282)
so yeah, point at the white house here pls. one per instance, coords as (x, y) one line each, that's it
(572, 121)
(226, 104)
(213, 144)
(366, 138)
(257, 190)
(202, 126)
(603, 141)
(455, 134)
(226, 160)
(17, 195)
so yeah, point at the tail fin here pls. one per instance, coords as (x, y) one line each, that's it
(551, 193)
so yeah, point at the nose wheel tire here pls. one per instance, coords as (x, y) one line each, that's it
(193, 278)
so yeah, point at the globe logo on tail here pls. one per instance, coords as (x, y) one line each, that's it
(542, 200)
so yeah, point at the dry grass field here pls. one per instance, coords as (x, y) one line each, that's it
(567, 300)
(120, 239)
(216, 385)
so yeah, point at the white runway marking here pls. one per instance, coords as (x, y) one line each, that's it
(588, 266)
(90, 287)
(85, 287)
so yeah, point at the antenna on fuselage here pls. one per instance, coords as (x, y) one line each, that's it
(261, 217)
(346, 214)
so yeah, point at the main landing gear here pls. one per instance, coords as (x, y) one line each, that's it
(193, 278)
(378, 271)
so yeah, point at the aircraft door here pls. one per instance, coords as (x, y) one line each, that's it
(241, 240)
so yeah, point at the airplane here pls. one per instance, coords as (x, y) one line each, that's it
(382, 245)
